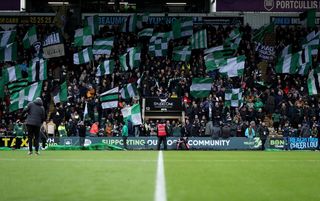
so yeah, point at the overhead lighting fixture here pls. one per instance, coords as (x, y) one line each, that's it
(176, 3)
(58, 3)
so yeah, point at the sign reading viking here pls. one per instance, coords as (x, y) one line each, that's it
(53, 46)
(268, 5)
(163, 104)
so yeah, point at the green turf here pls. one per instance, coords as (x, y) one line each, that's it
(130, 175)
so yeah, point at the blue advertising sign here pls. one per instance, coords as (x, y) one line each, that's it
(303, 143)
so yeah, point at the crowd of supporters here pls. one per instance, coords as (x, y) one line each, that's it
(280, 101)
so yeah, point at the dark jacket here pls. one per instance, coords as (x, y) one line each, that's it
(35, 113)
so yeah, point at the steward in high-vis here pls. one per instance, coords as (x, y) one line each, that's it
(162, 135)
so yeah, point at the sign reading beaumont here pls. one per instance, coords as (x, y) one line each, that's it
(267, 5)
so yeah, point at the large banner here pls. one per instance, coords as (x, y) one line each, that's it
(303, 143)
(267, 5)
(53, 46)
(156, 20)
(147, 143)
(195, 143)
(266, 52)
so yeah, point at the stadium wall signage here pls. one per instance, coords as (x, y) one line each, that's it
(267, 5)
(156, 20)
(196, 143)
(289, 20)
(26, 19)
(163, 104)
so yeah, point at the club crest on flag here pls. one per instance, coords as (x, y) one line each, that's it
(268, 4)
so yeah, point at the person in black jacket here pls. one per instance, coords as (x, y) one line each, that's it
(35, 118)
(263, 133)
(82, 133)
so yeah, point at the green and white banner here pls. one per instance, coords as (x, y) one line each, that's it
(85, 56)
(20, 99)
(30, 37)
(199, 40)
(233, 97)
(105, 68)
(37, 70)
(103, 46)
(83, 37)
(201, 87)
(109, 99)
(62, 95)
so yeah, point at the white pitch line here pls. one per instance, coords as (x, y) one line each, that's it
(160, 192)
(37, 158)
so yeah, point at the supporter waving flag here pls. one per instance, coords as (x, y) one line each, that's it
(105, 68)
(30, 37)
(201, 87)
(11, 74)
(8, 52)
(85, 56)
(7, 37)
(109, 99)
(129, 24)
(37, 70)
(62, 95)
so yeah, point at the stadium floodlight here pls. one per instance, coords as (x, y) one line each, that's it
(58, 3)
(176, 3)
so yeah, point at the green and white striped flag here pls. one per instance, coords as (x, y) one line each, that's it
(105, 68)
(103, 46)
(20, 99)
(233, 67)
(201, 87)
(37, 70)
(214, 64)
(17, 86)
(147, 32)
(30, 38)
(11, 74)
(83, 37)
(129, 24)
(199, 40)
(129, 91)
(109, 99)
(9, 52)
(293, 63)
(182, 27)
(288, 64)
(158, 45)
(85, 56)
(225, 47)
(7, 37)
(62, 95)
(131, 59)
(182, 53)
(235, 33)
(93, 23)
(233, 98)
(286, 50)
(313, 83)
(313, 44)
(133, 114)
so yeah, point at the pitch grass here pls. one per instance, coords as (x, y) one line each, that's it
(130, 175)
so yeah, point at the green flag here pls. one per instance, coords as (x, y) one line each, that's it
(62, 95)
(201, 87)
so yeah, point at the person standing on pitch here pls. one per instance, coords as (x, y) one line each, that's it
(124, 133)
(35, 117)
(162, 135)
